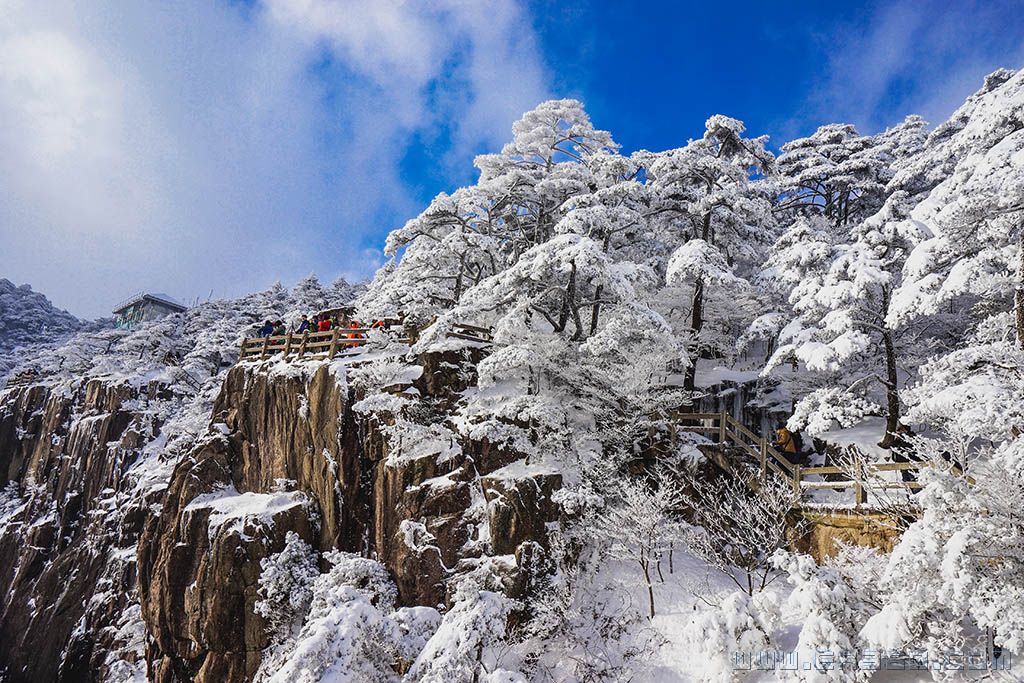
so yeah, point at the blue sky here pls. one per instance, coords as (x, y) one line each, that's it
(222, 145)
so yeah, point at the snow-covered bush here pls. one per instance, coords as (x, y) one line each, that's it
(638, 525)
(729, 637)
(350, 634)
(465, 645)
(956, 570)
(735, 530)
(585, 624)
(831, 615)
(286, 586)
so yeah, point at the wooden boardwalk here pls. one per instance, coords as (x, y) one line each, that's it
(329, 344)
(308, 345)
(21, 379)
(757, 451)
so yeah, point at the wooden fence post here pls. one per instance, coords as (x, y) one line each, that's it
(723, 416)
(334, 343)
(288, 345)
(266, 346)
(302, 346)
(860, 495)
(241, 353)
(796, 480)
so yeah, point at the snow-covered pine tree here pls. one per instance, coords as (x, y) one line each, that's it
(841, 275)
(956, 572)
(480, 230)
(704, 197)
(569, 303)
(974, 218)
(841, 175)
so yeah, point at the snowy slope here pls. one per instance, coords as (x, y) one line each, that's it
(29, 321)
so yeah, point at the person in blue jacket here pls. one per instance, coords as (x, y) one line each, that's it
(267, 329)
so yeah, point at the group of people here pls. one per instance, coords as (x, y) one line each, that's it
(272, 328)
(319, 322)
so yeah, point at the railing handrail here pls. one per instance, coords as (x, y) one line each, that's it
(340, 336)
(314, 343)
(731, 432)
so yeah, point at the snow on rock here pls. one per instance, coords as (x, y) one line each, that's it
(234, 512)
(29, 322)
(864, 436)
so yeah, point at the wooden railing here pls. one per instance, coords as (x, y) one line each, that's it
(726, 429)
(21, 379)
(859, 477)
(312, 344)
(340, 339)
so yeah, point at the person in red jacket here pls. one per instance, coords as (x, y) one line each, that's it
(325, 323)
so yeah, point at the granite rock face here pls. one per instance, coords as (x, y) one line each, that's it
(287, 451)
(69, 526)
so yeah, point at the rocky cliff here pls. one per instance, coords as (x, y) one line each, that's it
(86, 458)
(296, 448)
(88, 489)
(69, 523)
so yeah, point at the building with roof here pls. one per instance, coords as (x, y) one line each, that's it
(144, 307)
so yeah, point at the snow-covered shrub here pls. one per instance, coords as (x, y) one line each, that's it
(286, 586)
(956, 570)
(735, 530)
(417, 625)
(349, 634)
(729, 637)
(831, 614)
(638, 525)
(584, 624)
(467, 644)
(378, 375)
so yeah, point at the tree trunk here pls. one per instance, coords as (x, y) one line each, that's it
(698, 310)
(458, 279)
(595, 312)
(892, 394)
(696, 323)
(567, 299)
(650, 586)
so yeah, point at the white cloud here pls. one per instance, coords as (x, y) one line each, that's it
(221, 147)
